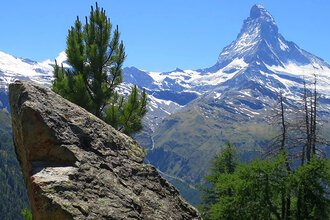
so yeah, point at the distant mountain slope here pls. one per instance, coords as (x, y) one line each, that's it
(12, 188)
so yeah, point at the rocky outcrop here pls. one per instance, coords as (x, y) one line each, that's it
(77, 167)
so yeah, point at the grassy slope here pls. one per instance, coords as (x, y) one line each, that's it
(192, 139)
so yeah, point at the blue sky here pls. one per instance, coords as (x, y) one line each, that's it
(160, 35)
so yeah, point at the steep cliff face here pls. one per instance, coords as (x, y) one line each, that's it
(77, 167)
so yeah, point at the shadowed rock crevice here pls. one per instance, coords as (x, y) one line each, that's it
(77, 167)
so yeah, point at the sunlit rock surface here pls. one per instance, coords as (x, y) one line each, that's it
(77, 167)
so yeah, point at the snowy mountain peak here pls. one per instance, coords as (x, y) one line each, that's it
(258, 37)
(262, 22)
(259, 12)
(260, 42)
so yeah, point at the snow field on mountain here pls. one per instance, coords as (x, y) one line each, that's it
(306, 72)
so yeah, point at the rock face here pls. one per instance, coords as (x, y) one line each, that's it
(77, 167)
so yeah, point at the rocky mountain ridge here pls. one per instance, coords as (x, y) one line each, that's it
(258, 46)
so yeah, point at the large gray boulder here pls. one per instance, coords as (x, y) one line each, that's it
(75, 166)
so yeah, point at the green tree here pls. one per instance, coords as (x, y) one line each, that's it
(222, 167)
(310, 185)
(256, 191)
(259, 188)
(96, 59)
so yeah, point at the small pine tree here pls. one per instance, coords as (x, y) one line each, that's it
(96, 58)
(126, 116)
(26, 214)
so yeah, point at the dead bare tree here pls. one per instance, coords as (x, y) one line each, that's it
(310, 137)
(279, 145)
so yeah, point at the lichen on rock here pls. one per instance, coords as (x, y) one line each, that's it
(75, 166)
